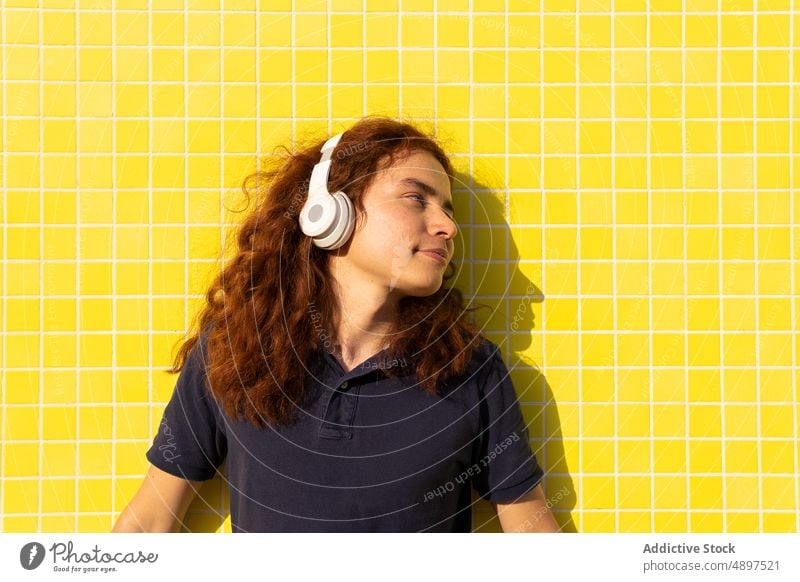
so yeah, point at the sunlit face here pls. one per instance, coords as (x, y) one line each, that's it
(409, 216)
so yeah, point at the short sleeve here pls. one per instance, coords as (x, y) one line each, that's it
(191, 440)
(505, 466)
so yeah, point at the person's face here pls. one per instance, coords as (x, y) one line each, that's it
(409, 215)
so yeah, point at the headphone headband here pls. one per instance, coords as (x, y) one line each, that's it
(318, 185)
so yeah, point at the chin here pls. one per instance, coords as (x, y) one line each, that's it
(420, 288)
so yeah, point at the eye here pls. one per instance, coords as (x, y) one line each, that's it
(419, 198)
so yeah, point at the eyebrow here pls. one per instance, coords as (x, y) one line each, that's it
(428, 190)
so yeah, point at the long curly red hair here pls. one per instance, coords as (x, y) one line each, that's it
(259, 333)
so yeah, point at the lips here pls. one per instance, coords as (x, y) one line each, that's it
(436, 250)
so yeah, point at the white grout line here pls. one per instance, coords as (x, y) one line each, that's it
(684, 232)
(754, 189)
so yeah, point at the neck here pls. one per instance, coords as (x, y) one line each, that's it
(367, 316)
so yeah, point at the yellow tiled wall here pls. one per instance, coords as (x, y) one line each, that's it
(630, 212)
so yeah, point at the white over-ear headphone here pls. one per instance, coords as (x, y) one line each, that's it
(327, 218)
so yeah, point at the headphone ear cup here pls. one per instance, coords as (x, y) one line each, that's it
(318, 216)
(342, 227)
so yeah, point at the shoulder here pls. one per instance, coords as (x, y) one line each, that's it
(486, 359)
(486, 354)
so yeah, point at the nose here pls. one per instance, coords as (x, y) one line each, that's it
(442, 224)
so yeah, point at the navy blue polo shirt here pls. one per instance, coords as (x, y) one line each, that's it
(368, 453)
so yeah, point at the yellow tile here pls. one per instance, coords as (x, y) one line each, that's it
(131, 100)
(741, 456)
(131, 28)
(22, 351)
(704, 522)
(58, 423)
(772, 66)
(701, 31)
(631, 314)
(58, 523)
(203, 28)
(669, 420)
(595, 100)
(739, 385)
(704, 421)
(665, 66)
(705, 456)
(736, 66)
(597, 349)
(95, 350)
(742, 492)
(740, 420)
(14, 524)
(488, 66)
(20, 460)
(776, 456)
(21, 423)
(737, 30)
(487, 31)
(204, 65)
(776, 421)
(95, 278)
(19, 496)
(23, 315)
(740, 522)
(559, 66)
(131, 422)
(523, 31)
(524, 173)
(737, 243)
(561, 278)
(596, 279)
(22, 27)
(523, 101)
(598, 492)
(167, 242)
(132, 350)
(96, 386)
(94, 495)
(562, 350)
(666, 172)
(633, 420)
(22, 206)
(775, 386)
(59, 314)
(58, 459)
(669, 492)
(131, 459)
(772, 30)
(774, 314)
(667, 278)
(238, 29)
(94, 458)
(779, 522)
(23, 242)
(382, 30)
(634, 522)
(58, 496)
(705, 492)
(598, 456)
(632, 350)
(415, 30)
(487, 101)
(736, 101)
(776, 349)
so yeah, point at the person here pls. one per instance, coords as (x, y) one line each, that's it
(344, 386)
